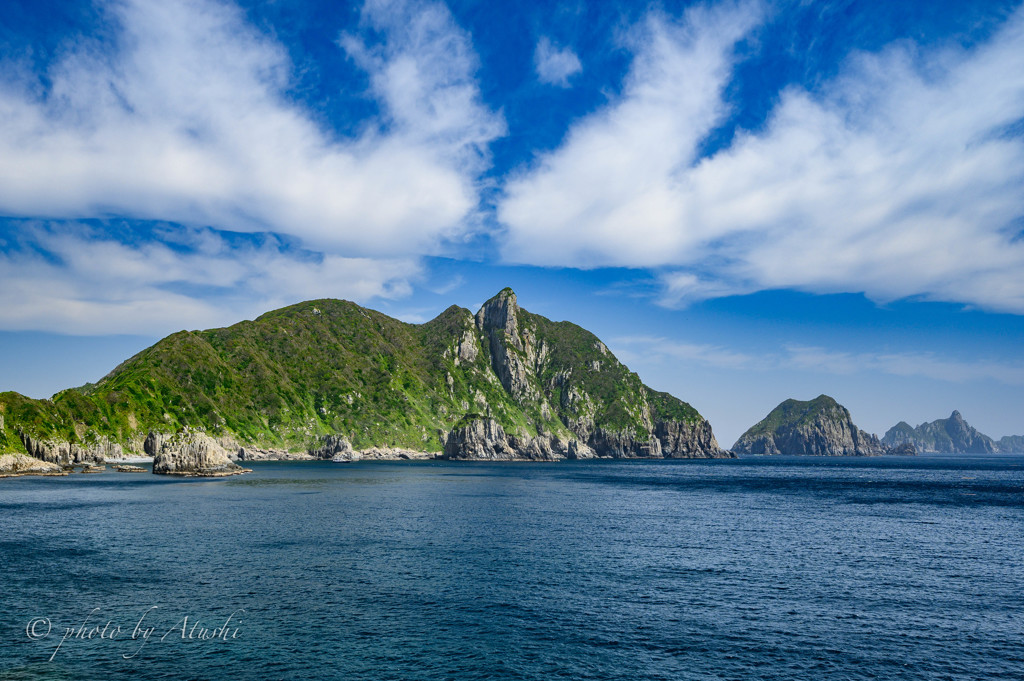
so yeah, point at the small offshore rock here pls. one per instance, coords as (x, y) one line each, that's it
(193, 453)
(16, 464)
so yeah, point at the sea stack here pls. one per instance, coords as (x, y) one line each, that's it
(193, 453)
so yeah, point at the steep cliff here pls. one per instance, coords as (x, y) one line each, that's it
(281, 384)
(819, 427)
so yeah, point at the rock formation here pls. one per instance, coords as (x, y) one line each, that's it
(1011, 444)
(194, 454)
(65, 453)
(332, 447)
(14, 465)
(947, 436)
(819, 427)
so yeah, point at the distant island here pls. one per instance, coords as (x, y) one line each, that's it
(329, 379)
(953, 435)
(818, 427)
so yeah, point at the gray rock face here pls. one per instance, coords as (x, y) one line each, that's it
(331, 447)
(64, 453)
(194, 454)
(905, 449)
(820, 427)
(1011, 444)
(154, 442)
(948, 436)
(14, 465)
(623, 444)
(250, 453)
(480, 439)
(511, 358)
(682, 440)
(484, 439)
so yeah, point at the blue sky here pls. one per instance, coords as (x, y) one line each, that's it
(748, 201)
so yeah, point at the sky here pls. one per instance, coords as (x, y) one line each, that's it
(747, 201)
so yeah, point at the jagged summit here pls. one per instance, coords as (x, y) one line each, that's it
(952, 435)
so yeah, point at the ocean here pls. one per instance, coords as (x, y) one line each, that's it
(756, 568)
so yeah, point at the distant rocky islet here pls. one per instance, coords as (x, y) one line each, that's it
(818, 427)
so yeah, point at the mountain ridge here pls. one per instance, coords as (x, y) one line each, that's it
(330, 368)
(951, 435)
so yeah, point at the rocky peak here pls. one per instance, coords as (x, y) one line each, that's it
(501, 313)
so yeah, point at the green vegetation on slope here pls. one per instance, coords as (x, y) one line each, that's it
(794, 413)
(330, 366)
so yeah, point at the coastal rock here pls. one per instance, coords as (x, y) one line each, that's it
(154, 442)
(579, 450)
(680, 439)
(15, 464)
(194, 454)
(905, 449)
(947, 436)
(819, 427)
(334, 447)
(65, 453)
(481, 439)
(390, 454)
(250, 453)
(623, 444)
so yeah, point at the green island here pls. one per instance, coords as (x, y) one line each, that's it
(326, 378)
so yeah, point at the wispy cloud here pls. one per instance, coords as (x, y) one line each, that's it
(820, 360)
(184, 118)
(187, 120)
(555, 65)
(899, 178)
(925, 365)
(72, 278)
(663, 349)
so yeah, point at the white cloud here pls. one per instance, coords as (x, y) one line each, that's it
(925, 365)
(819, 360)
(900, 178)
(70, 278)
(663, 349)
(555, 65)
(187, 120)
(608, 196)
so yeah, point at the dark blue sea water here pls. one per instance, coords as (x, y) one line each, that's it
(772, 568)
